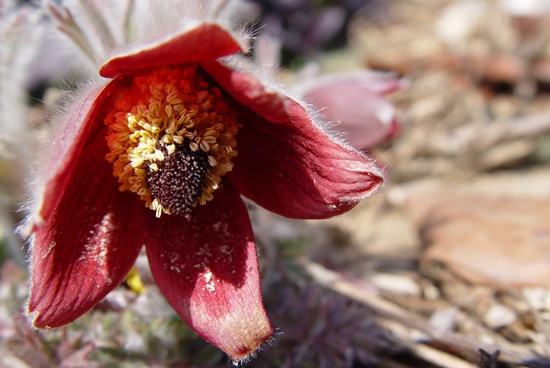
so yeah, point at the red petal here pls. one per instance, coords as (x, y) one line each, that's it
(207, 269)
(86, 246)
(286, 163)
(67, 146)
(207, 41)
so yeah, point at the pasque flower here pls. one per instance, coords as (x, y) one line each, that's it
(158, 154)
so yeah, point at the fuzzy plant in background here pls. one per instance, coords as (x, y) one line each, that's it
(156, 151)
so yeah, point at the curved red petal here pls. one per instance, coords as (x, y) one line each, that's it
(87, 244)
(206, 41)
(66, 147)
(286, 162)
(207, 269)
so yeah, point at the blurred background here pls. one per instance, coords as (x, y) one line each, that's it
(447, 266)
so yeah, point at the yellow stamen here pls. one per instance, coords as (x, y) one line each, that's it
(165, 113)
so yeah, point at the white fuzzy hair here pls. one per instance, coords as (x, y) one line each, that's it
(108, 28)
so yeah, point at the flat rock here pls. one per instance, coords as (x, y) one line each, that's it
(500, 241)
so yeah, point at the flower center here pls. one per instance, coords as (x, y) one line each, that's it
(171, 138)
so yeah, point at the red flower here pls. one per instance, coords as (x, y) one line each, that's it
(158, 156)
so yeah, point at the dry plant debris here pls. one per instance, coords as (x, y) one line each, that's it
(464, 218)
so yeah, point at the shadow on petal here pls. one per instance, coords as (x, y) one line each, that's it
(82, 126)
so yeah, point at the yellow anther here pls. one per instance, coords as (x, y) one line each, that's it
(212, 161)
(205, 146)
(194, 146)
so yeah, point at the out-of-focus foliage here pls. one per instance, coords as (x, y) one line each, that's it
(306, 27)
